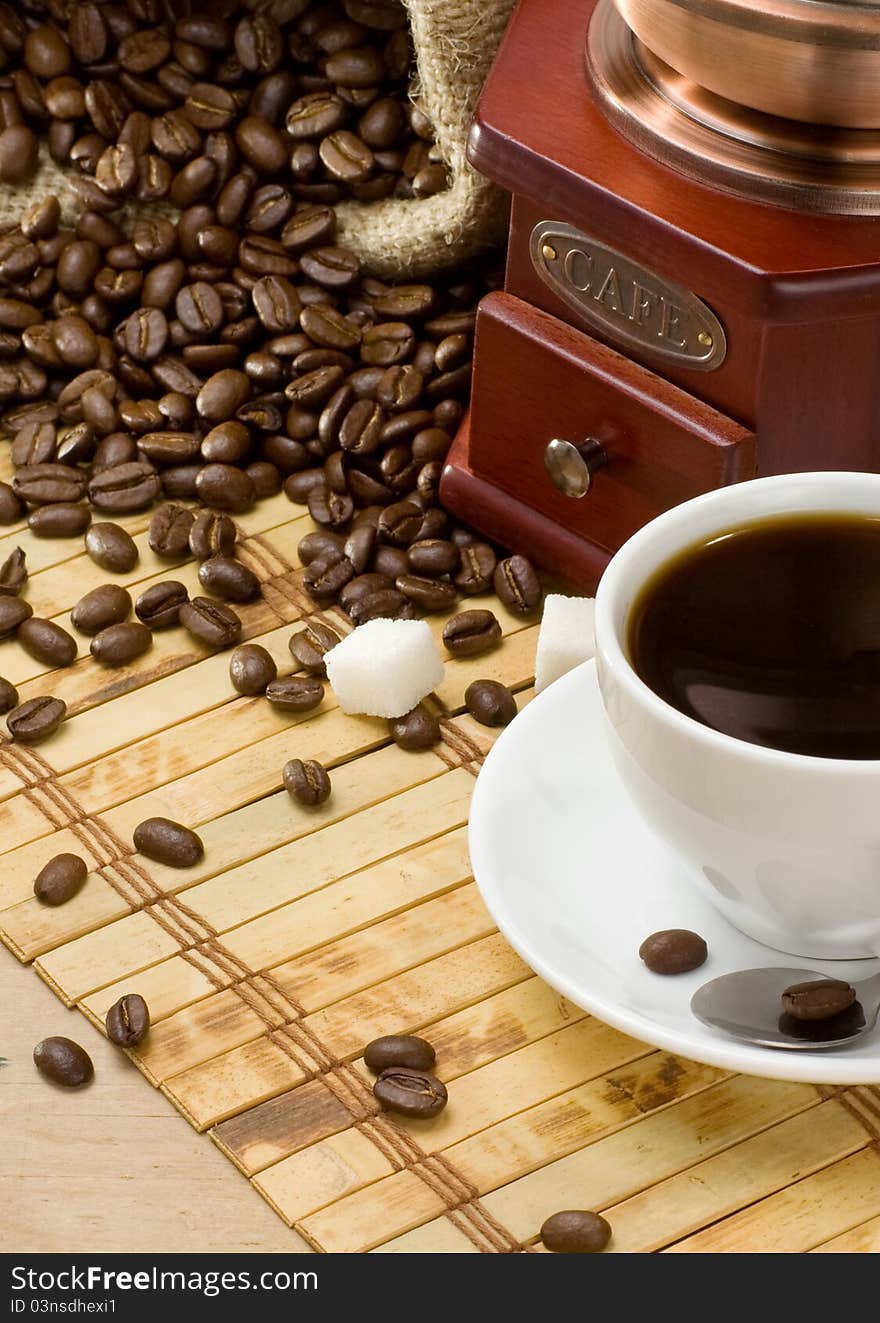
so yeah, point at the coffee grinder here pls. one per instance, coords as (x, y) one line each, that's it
(692, 294)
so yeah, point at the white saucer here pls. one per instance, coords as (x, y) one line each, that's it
(575, 882)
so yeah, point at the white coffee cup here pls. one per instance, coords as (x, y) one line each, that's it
(787, 846)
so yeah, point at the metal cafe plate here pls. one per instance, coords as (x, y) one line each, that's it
(626, 301)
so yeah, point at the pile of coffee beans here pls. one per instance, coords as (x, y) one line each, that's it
(310, 99)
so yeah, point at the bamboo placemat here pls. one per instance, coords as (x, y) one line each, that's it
(305, 933)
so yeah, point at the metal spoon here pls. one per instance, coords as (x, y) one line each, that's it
(748, 1006)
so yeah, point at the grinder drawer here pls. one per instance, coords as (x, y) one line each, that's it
(639, 444)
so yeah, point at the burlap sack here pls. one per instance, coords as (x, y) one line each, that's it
(455, 42)
(400, 238)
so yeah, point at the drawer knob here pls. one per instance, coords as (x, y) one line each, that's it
(571, 464)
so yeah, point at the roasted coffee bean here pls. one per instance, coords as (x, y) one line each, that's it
(319, 544)
(328, 327)
(490, 702)
(470, 633)
(517, 585)
(359, 547)
(251, 669)
(410, 1092)
(19, 147)
(47, 642)
(311, 225)
(60, 879)
(128, 1021)
(478, 565)
(12, 508)
(170, 528)
(277, 304)
(295, 693)
(399, 524)
(363, 586)
(227, 443)
(159, 605)
(44, 484)
(224, 487)
(306, 782)
(35, 443)
(387, 343)
(168, 842)
(673, 951)
(333, 268)
(345, 156)
(119, 644)
(575, 1231)
(266, 478)
(108, 604)
(211, 535)
(63, 1062)
(14, 611)
(308, 646)
(433, 557)
(111, 547)
(125, 489)
(324, 578)
(212, 623)
(13, 575)
(399, 1050)
(418, 729)
(8, 696)
(330, 509)
(428, 594)
(229, 579)
(222, 394)
(36, 719)
(387, 604)
(61, 520)
(818, 999)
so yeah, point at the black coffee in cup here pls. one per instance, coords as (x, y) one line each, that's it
(771, 633)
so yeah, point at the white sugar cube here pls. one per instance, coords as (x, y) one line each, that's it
(385, 667)
(565, 638)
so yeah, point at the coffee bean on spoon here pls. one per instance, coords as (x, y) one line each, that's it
(13, 573)
(36, 719)
(410, 1092)
(168, 842)
(575, 1231)
(398, 1050)
(63, 1062)
(818, 999)
(673, 951)
(60, 879)
(128, 1020)
(251, 669)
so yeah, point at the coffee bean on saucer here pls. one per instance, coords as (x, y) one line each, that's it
(471, 632)
(410, 1092)
(818, 999)
(490, 702)
(575, 1231)
(159, 605)
(47, 642)
(673, 951)
(63, 1061)
(209, 622)
(251, 669)
(111, 547)
(168, 842)
(36, 719)
(295, 693)
(516, 584)
(60, 879)
(399, 1050)
(8, 696)
(108, 604)
(306, 782)
(13, 573)
(128, 1021)
(417, 729)
(117, 645)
